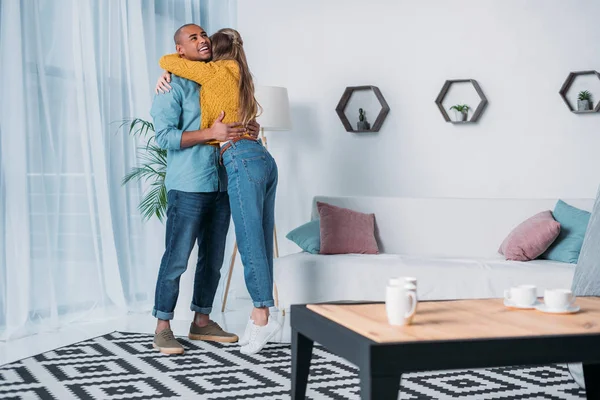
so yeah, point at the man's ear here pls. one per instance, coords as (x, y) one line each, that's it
(179, 49)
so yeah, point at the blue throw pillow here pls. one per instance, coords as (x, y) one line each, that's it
(573, 224)
(307, 236)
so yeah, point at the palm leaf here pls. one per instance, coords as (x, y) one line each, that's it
(154, 203)
(152, 168)
(154, 155)
(139, 127)
(143, 173)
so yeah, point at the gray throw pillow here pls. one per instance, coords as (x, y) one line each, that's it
(586, 281)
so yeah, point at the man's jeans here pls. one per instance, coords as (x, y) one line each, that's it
(192, 217)
(252, 182)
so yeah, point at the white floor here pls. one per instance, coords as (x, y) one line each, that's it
(233, 320)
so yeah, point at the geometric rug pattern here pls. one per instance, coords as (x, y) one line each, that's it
(124, 366)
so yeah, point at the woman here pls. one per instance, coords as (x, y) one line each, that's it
(227, 85)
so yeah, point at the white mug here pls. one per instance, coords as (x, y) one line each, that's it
(401, 280)
(400, 303)
(559, 299)
(410, 283)
(523, 295)
(406, 280)
(410, 279)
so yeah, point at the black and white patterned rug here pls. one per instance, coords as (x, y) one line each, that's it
(124, 366)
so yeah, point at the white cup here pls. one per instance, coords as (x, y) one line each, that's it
(401, 280)
(411, 280)
(522, 295)
(400, 303)
(406, 280)
(558, 299)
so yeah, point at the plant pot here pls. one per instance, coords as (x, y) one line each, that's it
(363, 126)
(583, 105)
(460, 116)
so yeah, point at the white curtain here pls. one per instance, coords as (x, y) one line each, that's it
(72, 242)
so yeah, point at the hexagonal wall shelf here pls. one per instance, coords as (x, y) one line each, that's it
(480, 107)
(567, 85)
(341, 108)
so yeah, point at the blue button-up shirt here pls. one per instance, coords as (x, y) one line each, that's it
(191, 169)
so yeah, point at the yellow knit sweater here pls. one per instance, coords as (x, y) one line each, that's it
(220, 82)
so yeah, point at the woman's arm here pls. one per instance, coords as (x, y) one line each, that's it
(162, 85)
(197, 71)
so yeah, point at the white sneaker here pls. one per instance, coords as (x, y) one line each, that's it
(246, 336)
(260, 335)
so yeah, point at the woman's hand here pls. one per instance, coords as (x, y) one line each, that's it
(162, 84)
(253, 128)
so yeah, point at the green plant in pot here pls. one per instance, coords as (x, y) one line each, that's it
(584, 101)
(362, 124)
(152, 169)
(461, 111)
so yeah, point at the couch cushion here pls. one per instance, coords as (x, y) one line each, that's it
(307, 236)
(346, 231)
(573, 224)
(531, 237)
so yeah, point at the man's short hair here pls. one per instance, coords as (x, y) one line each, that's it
(178, 32)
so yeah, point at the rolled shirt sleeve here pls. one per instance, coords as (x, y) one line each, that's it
(166, 113)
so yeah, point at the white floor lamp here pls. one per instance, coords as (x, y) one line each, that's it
(275, 117)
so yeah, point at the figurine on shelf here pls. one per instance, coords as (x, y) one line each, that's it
(362, 124)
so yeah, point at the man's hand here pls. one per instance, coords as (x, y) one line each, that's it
(162, 84)
(224, 132)
(253, 128)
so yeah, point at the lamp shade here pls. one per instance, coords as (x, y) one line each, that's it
(275, 105)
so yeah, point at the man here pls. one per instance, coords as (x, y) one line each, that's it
(198, 204)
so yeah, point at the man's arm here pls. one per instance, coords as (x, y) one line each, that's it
(218, 131)
(166, 112)
(192, 138)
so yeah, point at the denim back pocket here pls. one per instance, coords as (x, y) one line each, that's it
(257, 168)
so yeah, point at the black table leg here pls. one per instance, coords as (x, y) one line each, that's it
(378, 387)
(591, 374)
(301, 355)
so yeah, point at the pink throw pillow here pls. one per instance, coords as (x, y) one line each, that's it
(346, 231)
(531, 238)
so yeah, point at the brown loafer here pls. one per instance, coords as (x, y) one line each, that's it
(166, 343)
(211, 333)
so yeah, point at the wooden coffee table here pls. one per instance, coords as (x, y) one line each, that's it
(444, 335)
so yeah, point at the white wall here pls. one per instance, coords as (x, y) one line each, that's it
(527, 143)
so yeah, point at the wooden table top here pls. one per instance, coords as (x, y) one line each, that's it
(463, 320)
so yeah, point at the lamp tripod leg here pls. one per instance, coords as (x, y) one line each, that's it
(231, 264)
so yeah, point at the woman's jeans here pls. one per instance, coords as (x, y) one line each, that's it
(252, 182)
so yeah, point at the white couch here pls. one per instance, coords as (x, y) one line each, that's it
(449, 245)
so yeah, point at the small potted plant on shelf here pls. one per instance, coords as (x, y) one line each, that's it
(362, 124)
(584, 101)
(461, 112)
